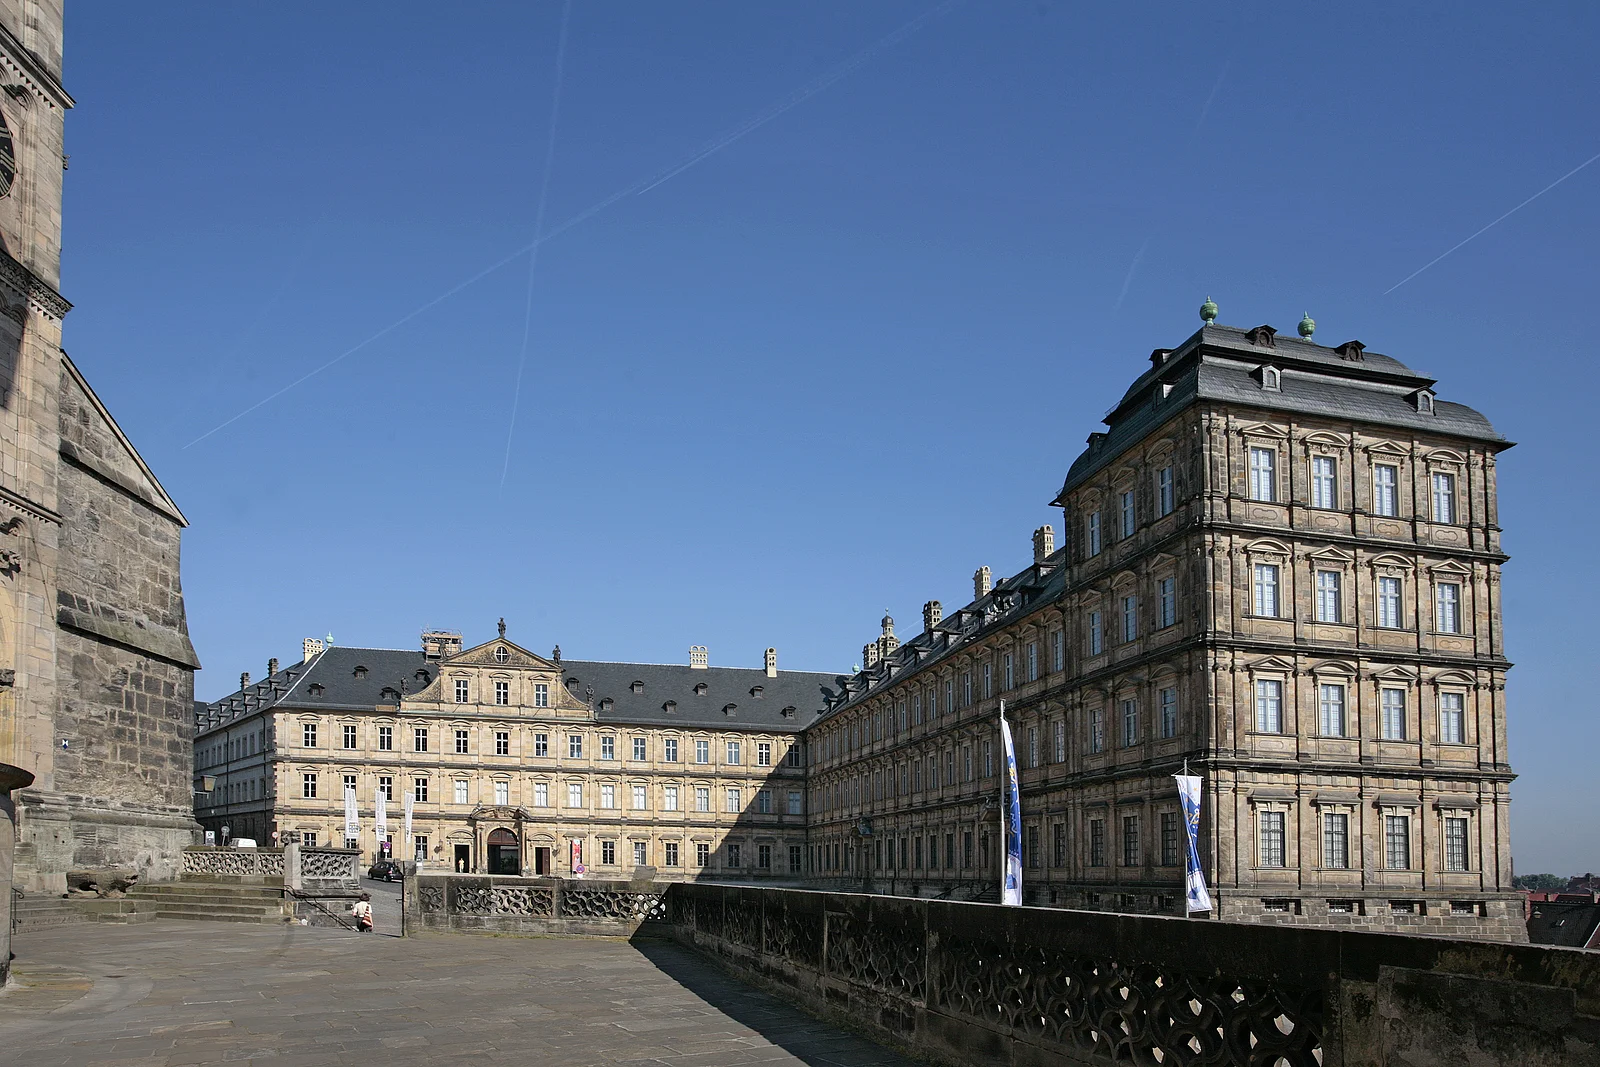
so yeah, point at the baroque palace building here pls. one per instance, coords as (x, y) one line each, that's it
(511, 759)
(1282, 565)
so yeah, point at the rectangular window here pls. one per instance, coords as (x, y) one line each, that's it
(608, 747)
(669, 798)
(308, 785)
(641, 798)
(702, 853)
(1385, 492)
(794, 858)
(419, 739)
(1397, 842)
(502, 793)
(1266, 590)
(1269, 707)
(541, 794)
(502, 742)
(1061, 741)
(419, 847)
(702, 798)
(735, 752)
(763, 753)
(988, 759)
(735, 857)
(541, 695)
(764, 801)
(502, 692)
(1094, 533)
(386, 786)
(1393, 702)
(1097, 640)
(1330, 600)
(1330, 710)
(461, 793)
(1130, 840)
(1389, 602)
(1033, 846)
(1336, 841)
(386, 738)
(308, 735)
(1130, 618)
(764, 857)
(1456, 856)
(349, 737)
(1058, 655)
(1130, 723)
(988, 684)
(1452, 719)
(1007, 672)
(640, 751)
(461, 742)
(1097, 842)
(1097, 729)
(608, 853)
(1444, 497)
(1263, 474)
(1033, 746)
(1324, 490)
(1170, 854)
(608, 795)
(1059, 842)
(574, 746)
(669, 750)
(574, 795)
(670, 849)
(1272, 837)
(541, 745)
(1168, 699)
(795, 802)
(1166, 498)
(1167, 593)
(1033, 661)
(419, 790)
(1130, 517)
(461, 690)
(702, 751)
(1449, 610)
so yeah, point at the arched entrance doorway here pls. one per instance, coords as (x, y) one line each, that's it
(505, 853)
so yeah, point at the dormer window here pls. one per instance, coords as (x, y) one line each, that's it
(670, 706)
(1353, 351)
(360, 671)
(1263, 337)
(501, 654)
(755, 691)
(1271, 380)
(729, 709)
(389, 693)
(789, 712)
(1423, 398)
(422, 676)
(636, 686)
(700, 689)
(315, 689)
(606, 704)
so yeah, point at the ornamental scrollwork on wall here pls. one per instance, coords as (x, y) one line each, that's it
(318, 863)
(430, 898)
(233, 863)
(880, 954)
(617, 904)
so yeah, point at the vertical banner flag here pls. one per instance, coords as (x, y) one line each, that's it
(1011, 813)
(410, 842)
(1197, 899)
(352, 821)
(380, 820)
(577, 859)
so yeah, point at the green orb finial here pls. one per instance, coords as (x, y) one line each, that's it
(1208, 311)
(1308, 326)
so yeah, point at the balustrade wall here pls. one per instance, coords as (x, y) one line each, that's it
(511, 905)
(982, 984)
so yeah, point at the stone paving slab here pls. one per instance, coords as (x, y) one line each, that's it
(170, 993)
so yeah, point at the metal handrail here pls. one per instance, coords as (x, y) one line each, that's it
(314, 902)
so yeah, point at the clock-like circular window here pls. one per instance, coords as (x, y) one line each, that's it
(8, 158)
(501, 655)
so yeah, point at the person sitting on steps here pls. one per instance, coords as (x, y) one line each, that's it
(362, 910)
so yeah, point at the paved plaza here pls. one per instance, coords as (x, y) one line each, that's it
(173, 992)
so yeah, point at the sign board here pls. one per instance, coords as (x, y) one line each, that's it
(211, 837)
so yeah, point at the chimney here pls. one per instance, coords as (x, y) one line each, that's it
(981, 583)
(931, 614)
(311, 645)
(699, 659)
(1044, 543)
(869, 655)
(272, 666)
(244, 681)
(772, 663)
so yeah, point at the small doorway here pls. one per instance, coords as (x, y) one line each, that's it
(505, 855)
(541, 861)
(463, 858)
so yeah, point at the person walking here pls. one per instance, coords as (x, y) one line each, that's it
(362, 910)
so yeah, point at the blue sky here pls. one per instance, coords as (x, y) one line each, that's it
(836, 364)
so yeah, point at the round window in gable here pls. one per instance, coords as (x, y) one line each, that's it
(501, 654)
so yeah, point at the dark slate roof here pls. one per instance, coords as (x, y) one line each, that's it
(1570, 925)
(335, 671)
(804, 693)
(1217, 363)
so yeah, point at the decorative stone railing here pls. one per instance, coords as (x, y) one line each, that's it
(233, 864)
(983, 984)
(510, 905)
(326, 869)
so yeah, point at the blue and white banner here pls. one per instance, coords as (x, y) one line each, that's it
(1011, 812)
(1197, 899)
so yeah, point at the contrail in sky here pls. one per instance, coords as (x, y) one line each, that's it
(710, 148)
(1491, 225)
(538, 224)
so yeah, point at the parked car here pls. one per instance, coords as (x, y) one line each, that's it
(387, 870)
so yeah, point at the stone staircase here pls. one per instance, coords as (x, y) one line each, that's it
(55, 911)
(193, 898)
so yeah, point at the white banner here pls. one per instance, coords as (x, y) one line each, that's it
(380, 820)
(408, 844)
(1011, 815)
(352, 821)
(1195, 894)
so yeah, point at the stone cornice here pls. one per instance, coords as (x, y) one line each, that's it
(40, 295)
(20, 62)
(22, 503)
(168, 645)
